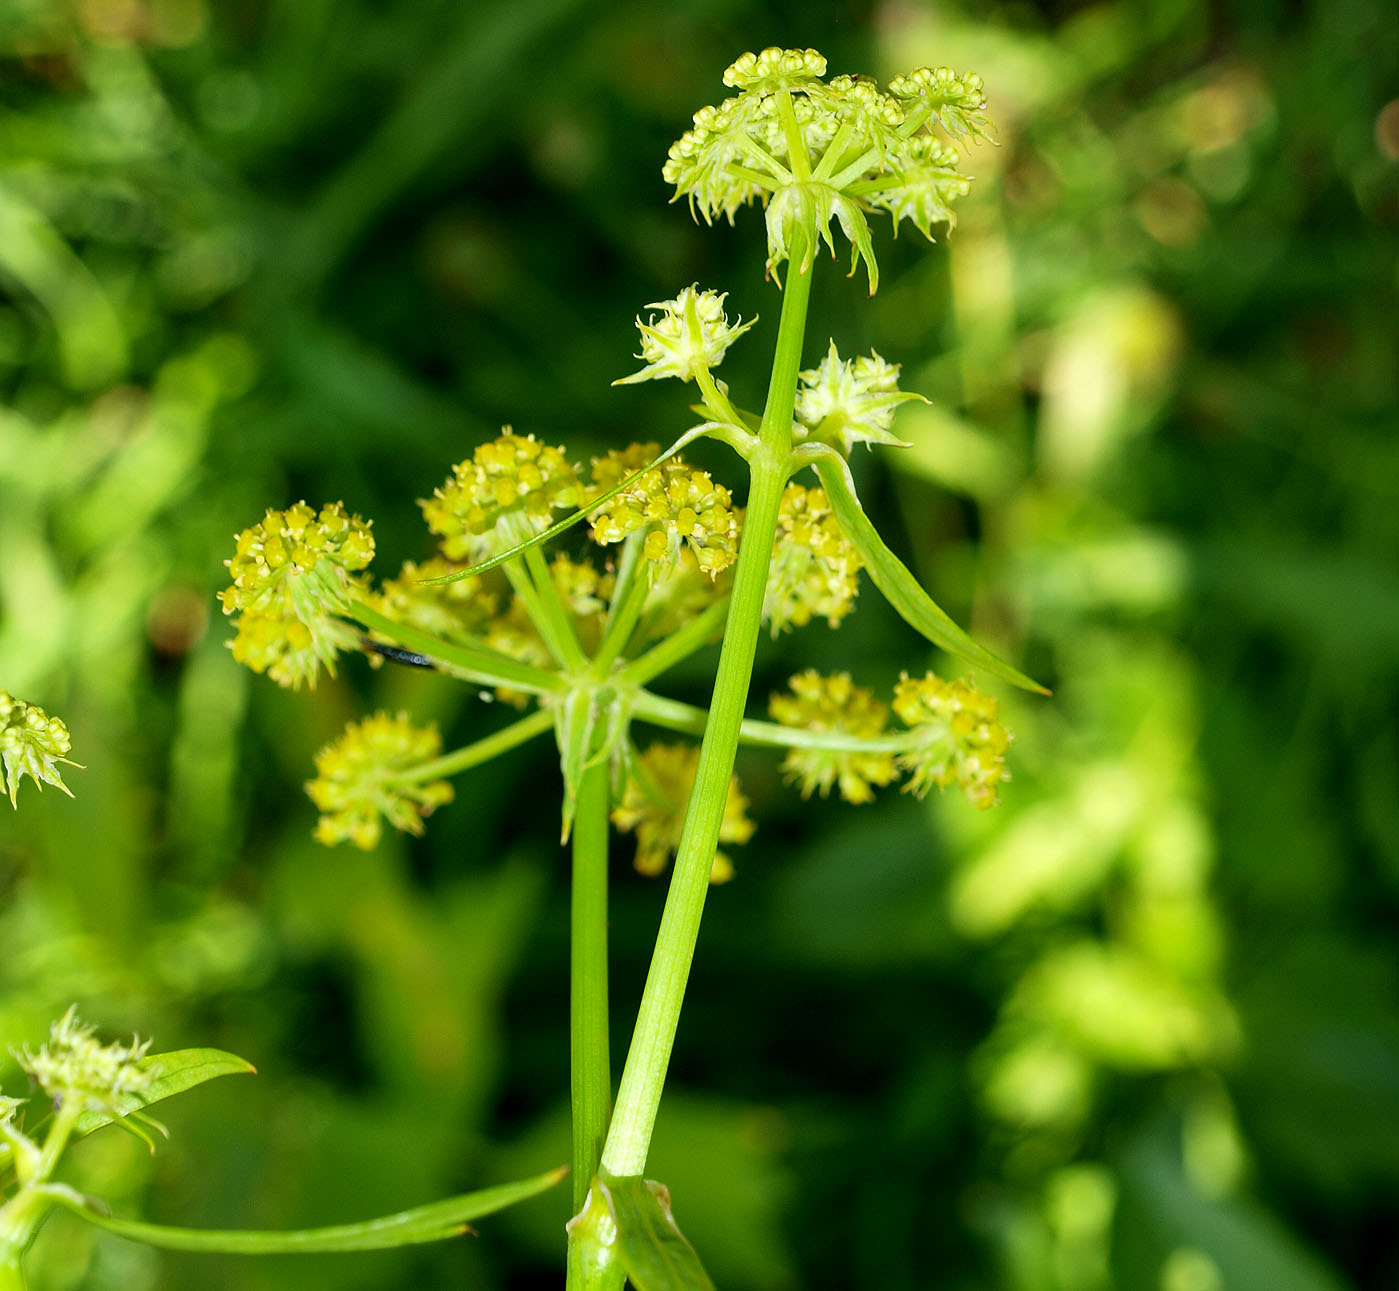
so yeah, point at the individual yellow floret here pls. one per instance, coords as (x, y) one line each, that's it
(654, 804)
(367, 776)
(961, 740)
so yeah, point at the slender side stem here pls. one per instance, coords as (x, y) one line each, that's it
(675, 716)
(475, 663)
(543, 615)
(628, 600)
(482, 750)
(588, 1029)
(560, 627)
(639, 1095)
(696, 634)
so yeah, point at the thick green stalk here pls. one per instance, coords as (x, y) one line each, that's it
(643, 1078)
(588, 1030)
(11, 1275)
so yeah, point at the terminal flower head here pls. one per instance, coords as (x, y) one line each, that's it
(293, 574)
(32, 744)
(815, 151)
(834, 705)
(815, 568)
(73, 1067)
(960, 738)
(505, 492)
(653, 808)
(691, 335)
(371, 774)
(845, 403)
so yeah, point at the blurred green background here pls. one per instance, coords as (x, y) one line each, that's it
(1138, 1028)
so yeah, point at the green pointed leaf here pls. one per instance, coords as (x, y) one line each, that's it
(893, 578)
(172, 1073)
(430, 1223)
(650, 1247)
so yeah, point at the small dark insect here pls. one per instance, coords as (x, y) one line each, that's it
(393, 653)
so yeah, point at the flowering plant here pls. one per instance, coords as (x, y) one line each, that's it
(577, 644)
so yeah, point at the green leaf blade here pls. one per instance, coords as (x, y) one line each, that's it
(898, 585)
(430, 1223)
(650, 1246)
(172, 1073)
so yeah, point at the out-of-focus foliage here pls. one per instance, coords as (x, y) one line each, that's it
(1137, 1028)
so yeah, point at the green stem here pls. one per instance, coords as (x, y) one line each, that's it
(11, 1275)
(475, 663)
(588, 1028)
(696, 634)
(482, 750)
(559, 625)
(545, 623)
(628, 600)
(639, 1095)
(676, 716)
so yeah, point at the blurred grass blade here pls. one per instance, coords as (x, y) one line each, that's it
(899, 586)
(430, 1223)
(650, 1247)
(173, 1073)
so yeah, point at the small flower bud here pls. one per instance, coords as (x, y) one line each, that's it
(365, 777)
(31, 744)
(691, 335)
(833, 705)
(654, 804)
(848, 403)
(958, 103)
(775, 69)
(961, 740)
(815, 568)
(73, 1066)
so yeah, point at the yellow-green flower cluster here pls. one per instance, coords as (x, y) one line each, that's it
(31, 744)
(671, 504)
(960, 738)
(815, 568)
(505, 492)
(653, 808)
(814, 151)
(446, 610)
(293, 573)
(691, 335)
(73, 1066)
(836, 706)
(848, 403)
(368, 775)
